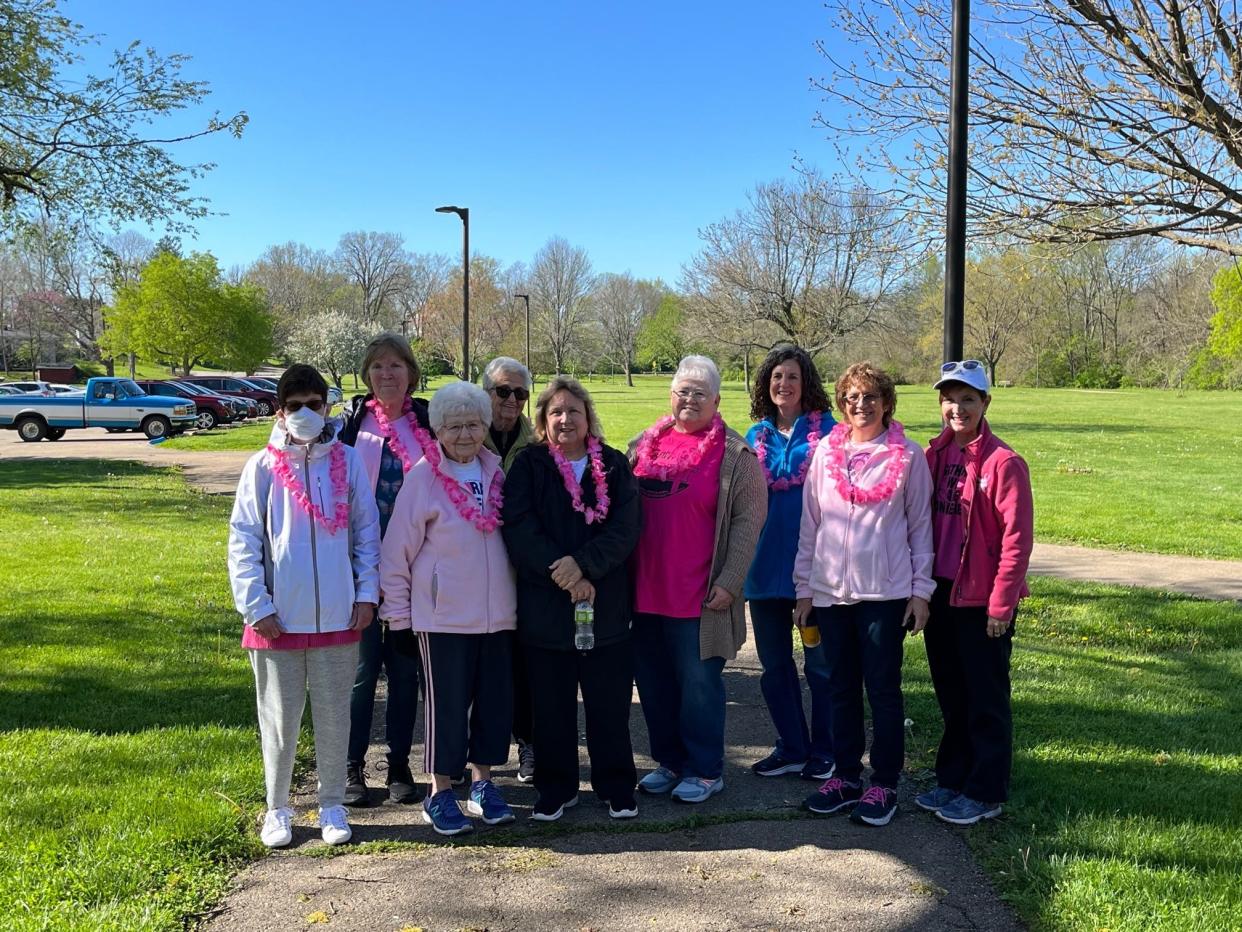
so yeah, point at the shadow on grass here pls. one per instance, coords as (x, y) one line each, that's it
(67, 473)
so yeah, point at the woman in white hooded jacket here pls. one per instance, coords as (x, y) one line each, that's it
(304, 566)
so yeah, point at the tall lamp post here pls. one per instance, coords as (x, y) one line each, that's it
(526, 298)
(464, 213)
(955, 207)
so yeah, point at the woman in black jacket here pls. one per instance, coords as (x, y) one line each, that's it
(571, 519)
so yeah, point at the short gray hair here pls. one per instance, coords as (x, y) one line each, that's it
(698, 367)
(502, 364)
(459, 398)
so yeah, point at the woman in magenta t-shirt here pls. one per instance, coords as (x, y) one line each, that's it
(689, 568)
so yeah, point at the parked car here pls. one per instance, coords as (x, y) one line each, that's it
(241, 408)
(231, 385)
(7, 389)
(212, 409)
(262, 382)
(111, 403)
(33, 387)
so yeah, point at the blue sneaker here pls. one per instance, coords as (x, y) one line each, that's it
(877, 806)
(967, 811)
(486, 802)
(697, 789)
(935, 800)
(777, 764)
(660, 780)
(442, 813)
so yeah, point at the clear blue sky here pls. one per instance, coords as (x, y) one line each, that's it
(624, 127)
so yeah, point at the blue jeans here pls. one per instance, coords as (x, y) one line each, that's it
(683, 697)
(376, 652)
(772, 621)
(864, 644)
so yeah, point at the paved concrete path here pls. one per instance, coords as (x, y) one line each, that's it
(746, 859)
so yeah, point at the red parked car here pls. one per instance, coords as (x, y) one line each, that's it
(212, 409)
(231, 385)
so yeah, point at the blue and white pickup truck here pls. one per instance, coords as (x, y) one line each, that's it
(112, 403)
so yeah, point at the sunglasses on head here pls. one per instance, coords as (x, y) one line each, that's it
(504, 391)
(967, 364)
(315, 404)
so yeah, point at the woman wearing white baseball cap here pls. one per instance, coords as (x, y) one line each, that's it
(982, 526)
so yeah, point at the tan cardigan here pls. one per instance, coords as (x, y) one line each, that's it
(741, 509)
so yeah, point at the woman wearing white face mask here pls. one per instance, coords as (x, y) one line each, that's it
(303, 562)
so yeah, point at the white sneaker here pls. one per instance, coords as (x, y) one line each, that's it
(334, 826)
(277, 828)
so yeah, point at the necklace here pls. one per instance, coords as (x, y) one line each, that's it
(594, 451)
(390, 434)
(465, 504)
(881, 491)
(812, 441)
(648, 450)
(340, 486)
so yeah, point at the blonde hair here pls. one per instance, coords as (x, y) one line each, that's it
(565, 383)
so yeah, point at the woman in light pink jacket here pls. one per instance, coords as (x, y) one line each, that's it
(863, 577)
(445, 574)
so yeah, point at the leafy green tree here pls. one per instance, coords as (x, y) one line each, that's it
(78, 145)
(1219, 364)
(661, 342)
(180, 312)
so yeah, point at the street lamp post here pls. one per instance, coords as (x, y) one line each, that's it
(526, 298)
(464, 213)
(955, 207)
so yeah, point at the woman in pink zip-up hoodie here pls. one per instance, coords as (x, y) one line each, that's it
(982, 522)
(445, 573)
(863, 576)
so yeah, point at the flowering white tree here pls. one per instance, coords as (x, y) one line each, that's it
(332, 341)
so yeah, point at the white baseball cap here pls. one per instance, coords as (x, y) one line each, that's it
(969, 372)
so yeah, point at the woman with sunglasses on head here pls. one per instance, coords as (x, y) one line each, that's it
(508, 384)
(863, 576)
(792, 413)
(704, 502)
(982, 521)
(384, 427)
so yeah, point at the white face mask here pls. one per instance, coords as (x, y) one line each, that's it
(304, 424)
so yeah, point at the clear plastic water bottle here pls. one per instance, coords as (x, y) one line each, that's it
(584, 625)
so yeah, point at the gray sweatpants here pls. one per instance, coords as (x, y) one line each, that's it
(281, 680)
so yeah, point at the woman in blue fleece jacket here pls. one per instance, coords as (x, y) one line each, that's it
(792, 412)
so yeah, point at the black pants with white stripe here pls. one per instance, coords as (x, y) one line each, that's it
(468, 699)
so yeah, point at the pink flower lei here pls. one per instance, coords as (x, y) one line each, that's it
(390, 434)
(884, 489)
(812, 441)
(486, 520)
(595, 452)
(340, 486)
(649, 448)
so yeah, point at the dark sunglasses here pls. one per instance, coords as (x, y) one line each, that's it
(968, 365)
(504, 391)
(315, 405)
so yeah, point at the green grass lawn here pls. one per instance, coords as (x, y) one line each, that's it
(130, 770)
(1134, 469)
(1126, 810)
(129, 767)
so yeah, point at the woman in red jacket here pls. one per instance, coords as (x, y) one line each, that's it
(982, 520)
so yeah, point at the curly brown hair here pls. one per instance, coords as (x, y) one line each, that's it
(814, 396)
(867, 376)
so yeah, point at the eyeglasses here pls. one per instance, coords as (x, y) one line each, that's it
(504, 391)
(690, 394)
(862, 401)
(315, 404)
(968, 364)
(474, 427)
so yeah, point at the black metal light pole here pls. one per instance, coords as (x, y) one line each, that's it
(464, 213)
(526, 298)
(955, 207)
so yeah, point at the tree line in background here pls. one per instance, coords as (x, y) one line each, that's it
(1106, 156)
(835, 270)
